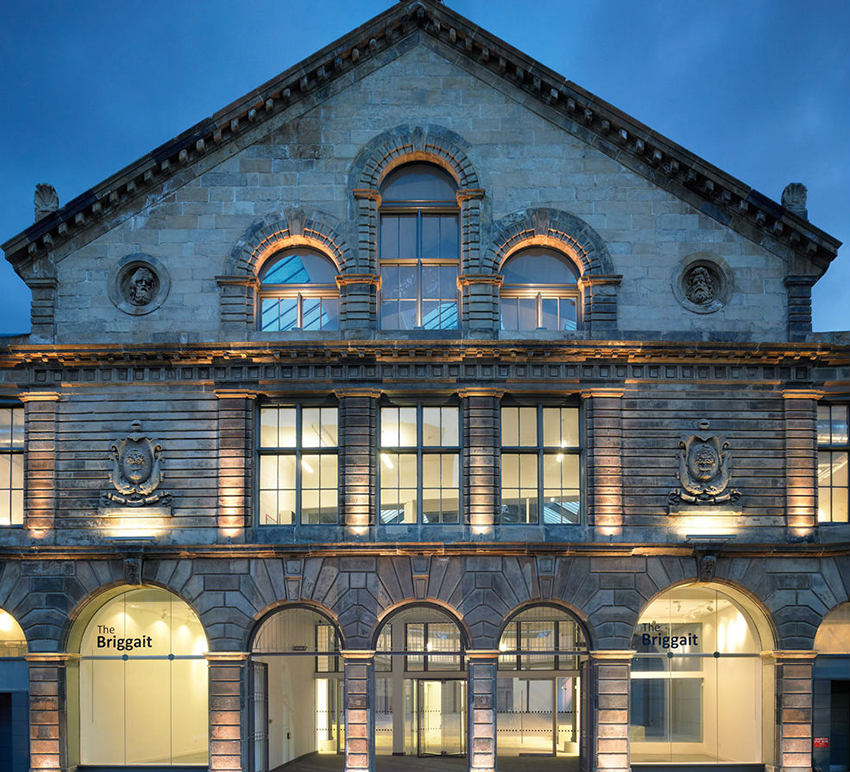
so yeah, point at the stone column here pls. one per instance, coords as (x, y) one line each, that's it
(358, 425)
(358, 300)
(235, 461)
(604, 420)
(40, 483)
(480, 302)
(799, 290)
(227, 685)
(609, 709)
(801, 460)
(600, 304)
(48, 738)
(481, 453)
(794, 714)
(359, 672)
(483, 665)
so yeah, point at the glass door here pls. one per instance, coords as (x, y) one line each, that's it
(442, 718)
(259, 717)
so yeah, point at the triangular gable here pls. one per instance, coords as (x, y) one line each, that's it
(618, 135)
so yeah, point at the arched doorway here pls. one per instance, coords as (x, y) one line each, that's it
(140, 697)
(14, 696)
(420, 684)
(832, 691)
(296, 688)
(539, 686)
(699, 690)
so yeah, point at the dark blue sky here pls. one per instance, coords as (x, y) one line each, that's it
(760, 88)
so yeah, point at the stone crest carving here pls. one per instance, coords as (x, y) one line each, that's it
(136, 471)
(701, 286)
(794, 199)
(46, 200)
(704, 470)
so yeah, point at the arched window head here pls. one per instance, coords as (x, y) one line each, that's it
(419, 248)
(298, 291)
(540, 291)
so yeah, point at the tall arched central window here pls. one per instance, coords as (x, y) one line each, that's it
(540, 291)
(298, 291)
(419, 247)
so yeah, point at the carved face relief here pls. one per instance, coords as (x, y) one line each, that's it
(703, 462)
(141, 287)
(136, 463)
(701, 286)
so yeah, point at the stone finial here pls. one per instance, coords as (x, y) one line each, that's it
(794, 199)
(46, 200)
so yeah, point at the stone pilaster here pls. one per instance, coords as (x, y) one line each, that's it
(481, 454)
(226, 684)
(237, 302)
(469, 200)
(600, 304)
(235, 461)
(480, 301)
(794, 688)
(40, 465)
(358, 424)
(48, 738)
(603, 416)
(359, 672)
(609, 707)
(43, 309)
(801, 459)
(368, 201)
(799, 290)
(358, 300)
(482, 666)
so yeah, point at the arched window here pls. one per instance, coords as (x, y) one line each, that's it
(298, 291)
(538, 692)
(697, 691)
(419, 248)
(141, 696)
(539, 291)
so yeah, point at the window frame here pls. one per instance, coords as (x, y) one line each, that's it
(540, 451)
(300, 291)
(540, 292)
(298, 451)
(418, 208)
(833, 448)
(419, 450)
(7, 455)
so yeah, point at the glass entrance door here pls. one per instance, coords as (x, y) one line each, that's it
(442, 717)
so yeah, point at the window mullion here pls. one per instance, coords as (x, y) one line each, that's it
(298, 428)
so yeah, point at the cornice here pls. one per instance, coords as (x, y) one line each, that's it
(713, 192)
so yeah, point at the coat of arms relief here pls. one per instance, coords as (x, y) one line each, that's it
(136, 471)
(704, 470)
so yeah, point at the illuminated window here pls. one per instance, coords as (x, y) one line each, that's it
(539, 291)
(11, 465)
(420, 247)
(833, 449)
(298, 465)
(540, 465)
(298, 291)
(420, 465)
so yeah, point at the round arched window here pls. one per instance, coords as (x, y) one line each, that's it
(420, 247)
(298, 291)
(540, 291)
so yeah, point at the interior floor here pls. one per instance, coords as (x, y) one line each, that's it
(334, 763)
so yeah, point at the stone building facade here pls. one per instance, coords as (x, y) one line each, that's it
(565, 424)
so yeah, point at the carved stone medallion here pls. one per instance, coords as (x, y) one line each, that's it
(701, 285)
(136, 471)
(704, 471)
(138, 284)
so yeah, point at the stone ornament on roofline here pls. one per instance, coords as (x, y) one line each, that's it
(704, 470)
(136, 471)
